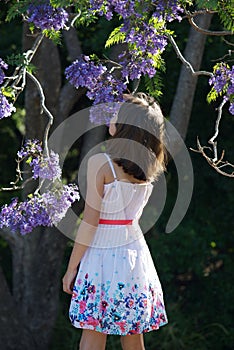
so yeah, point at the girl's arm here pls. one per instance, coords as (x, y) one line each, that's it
(88, 226)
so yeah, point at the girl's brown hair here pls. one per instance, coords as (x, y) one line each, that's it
(140, 122)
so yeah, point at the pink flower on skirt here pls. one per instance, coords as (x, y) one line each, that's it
(92, 321)
(82, 305)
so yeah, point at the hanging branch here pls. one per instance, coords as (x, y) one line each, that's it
(43, 109)
(217, 163)
(19, 77)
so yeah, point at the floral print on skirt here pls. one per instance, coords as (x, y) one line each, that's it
(130, 301)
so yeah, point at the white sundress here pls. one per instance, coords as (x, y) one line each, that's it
(117, 289)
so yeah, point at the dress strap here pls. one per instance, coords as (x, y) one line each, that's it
(111, 166)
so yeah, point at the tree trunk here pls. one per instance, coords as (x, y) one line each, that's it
(183, 100)
(14, 334)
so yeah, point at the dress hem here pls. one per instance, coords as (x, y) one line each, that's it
(99, 330)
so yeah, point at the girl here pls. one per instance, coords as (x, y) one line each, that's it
(116, 289)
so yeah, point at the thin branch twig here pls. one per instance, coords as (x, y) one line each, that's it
(200, 12)
(184, 61)
(216, 165)
(14, 187)
(229, 54)
(212, 139)
(228, 42)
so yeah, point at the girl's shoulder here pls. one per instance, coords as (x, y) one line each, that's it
(98, 158)
(97, 162)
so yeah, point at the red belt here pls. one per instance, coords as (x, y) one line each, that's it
(115, 222)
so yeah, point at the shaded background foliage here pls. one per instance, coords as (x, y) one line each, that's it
(195, 261)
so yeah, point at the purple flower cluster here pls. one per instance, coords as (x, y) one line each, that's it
(103, 87)
(219, 78)
(135, 65)
(30, 148)
(3, 65)
(145, 37)
(84, 72)
(57, 202)
(24, 216)
(6, 108)
(223, 83)
(46, 167)
(107, 89)
(44, 16)
(39, 210)
(124, 8)
(167, 10)
(102, 113)
(43, 167)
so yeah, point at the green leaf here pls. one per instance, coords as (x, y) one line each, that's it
(28, 161)
(60, 3)
(115, 37)
(54, 35)
(207, 4)
(31, 68)
(8, 92)
(159, 62)
(226, 14)
(66, 3)
(17, 8)
(31, 27)
(85, 18)
(20, 60)
(154, 85)
(212, 95)
(16, 59)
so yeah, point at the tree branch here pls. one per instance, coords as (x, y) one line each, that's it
(20, 71)
(184, 61)
(219, 164)
(14, 188)
(200, 12)
(212, 140)
(206, 31)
